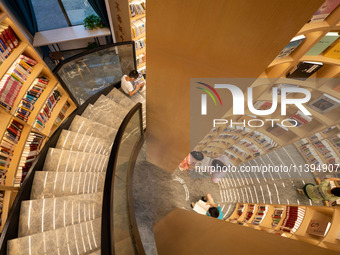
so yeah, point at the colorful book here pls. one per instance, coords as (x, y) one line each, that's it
(325, 9)
(318, 227)
(292, 45)
(323, 44)
(304, 70)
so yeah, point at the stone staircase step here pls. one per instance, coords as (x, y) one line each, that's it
(42, 215)
(88, 127)
(59, 160)
(81, 238)
(58, 184)
(96, 114)
(110, 106)
(74, 141)
(121, 99)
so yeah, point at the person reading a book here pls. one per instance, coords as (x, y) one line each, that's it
(321, 192)
(207, 206)
(128, 85)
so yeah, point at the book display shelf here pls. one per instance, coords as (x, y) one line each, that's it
(27, 94)
(316, 49)
(130, 25)
(317, 225)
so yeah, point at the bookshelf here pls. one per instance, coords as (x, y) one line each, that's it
(258, 141)
(129, 24)
(274, 218)
(22, 101)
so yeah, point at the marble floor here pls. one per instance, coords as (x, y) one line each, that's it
(157, 192)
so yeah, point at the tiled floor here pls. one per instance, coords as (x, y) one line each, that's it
(158, 192)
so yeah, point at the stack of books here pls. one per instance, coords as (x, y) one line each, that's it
(326, 151)
(245, 143)
(138, 27)
(267, 143)
(293, 219)
(8, 41)
(12, 81)
(249, 213)
(61, 114)
(277, 216)
(13, 131)
(261, 213)
(27, 103)
(137, 8)
(30, 153)
(230, 155)
(2, 197)
(46, 111)
(299, 119)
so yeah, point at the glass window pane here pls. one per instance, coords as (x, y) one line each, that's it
(89, 73)
(46, 19)
(77, 10)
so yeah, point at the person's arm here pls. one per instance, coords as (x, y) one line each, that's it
(131, 93)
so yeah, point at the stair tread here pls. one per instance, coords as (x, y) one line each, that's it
(70, 140)
(81, 238)
(99, 115)
(60, 160)
(88, 127)
(110, 106)
(120, 98)
(57, 184)
(42, 215)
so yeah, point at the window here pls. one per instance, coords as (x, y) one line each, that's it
(52, 14)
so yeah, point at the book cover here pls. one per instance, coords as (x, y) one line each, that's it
(324, 103)
(321, 45)
(292, 45)
(304, 70)
(318, 227)
(325, 9)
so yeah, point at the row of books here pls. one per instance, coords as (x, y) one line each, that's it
(33, 93)
(138, 27)
(277, 216)
(11, 83)
(260, 214)
(8, 41)
(267, 143)
(61, 114)
(230, 155)
(10, 139)
(6, 153)
(249, 213)
(227, 136)
(326, 151)
(2, 197)
(335, 140)
(239, 152)
(299, 119)
(239, 211)
(29, 154)
(140, 44)
(293, 219)
(310, 154)
(141, 59)
(47, 109)
(255, 150)
(137, 8)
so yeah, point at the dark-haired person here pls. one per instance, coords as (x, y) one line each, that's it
(321, 192)
(190, 161)
(127, 84)
(214, 211)
(220, 164)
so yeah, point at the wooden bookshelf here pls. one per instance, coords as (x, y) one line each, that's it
(39, 70)
(321, 82)
(123, 22)
(322, 213)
